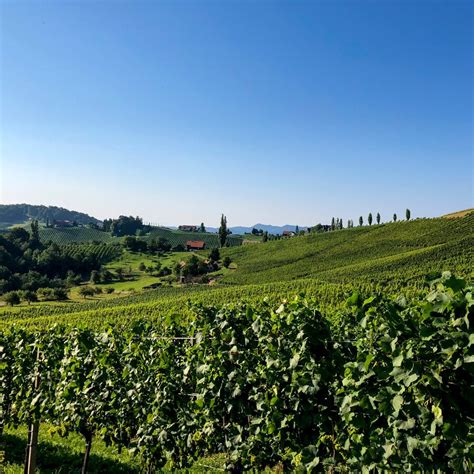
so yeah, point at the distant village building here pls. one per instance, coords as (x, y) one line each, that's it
(195, 245)
(288, 233)
(63, 223)
(188, 228)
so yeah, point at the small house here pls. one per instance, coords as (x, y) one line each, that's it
(288, 233)
(195, 245)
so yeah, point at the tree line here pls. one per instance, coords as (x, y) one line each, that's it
(32, 269)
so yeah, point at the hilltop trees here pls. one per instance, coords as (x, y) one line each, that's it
(361, 221)
(202, 228)
(394, 217)
(408, 214)
(223, 231)
(124, 225)
(378, 217)
(369, 219)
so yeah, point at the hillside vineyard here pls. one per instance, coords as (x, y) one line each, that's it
(344, 350)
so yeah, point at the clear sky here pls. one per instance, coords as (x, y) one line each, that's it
(274, 112)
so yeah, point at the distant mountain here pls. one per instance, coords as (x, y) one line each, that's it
(18, 213)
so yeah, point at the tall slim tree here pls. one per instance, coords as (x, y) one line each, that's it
(333, 224)
(223, 232)
(394, 218)
(408, 214)
(35, 231)
(361, 221)
(378, 217)
(202, 228)
(369, 219)
(297, 230)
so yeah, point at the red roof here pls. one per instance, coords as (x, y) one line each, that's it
(195, 244)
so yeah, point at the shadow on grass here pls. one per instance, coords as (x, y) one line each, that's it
(54, 458)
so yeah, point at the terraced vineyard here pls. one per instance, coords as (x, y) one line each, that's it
(177, 237)
(67, 235)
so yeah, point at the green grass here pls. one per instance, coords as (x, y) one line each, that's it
(58, 454)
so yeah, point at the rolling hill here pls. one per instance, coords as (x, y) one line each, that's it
(397, 251)
(11, 214)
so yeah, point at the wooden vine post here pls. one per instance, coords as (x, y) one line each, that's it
(31, 447)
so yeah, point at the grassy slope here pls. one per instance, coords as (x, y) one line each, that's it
(404, 250)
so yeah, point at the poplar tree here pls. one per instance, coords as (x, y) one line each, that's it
(361, 221)
(370, 218)
(408, 214)
(223, 232)
(378, 218)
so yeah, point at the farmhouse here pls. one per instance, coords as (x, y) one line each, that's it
(188, 228)
(288, 233)
(195, 245)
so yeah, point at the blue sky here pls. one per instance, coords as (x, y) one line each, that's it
(274, 112)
